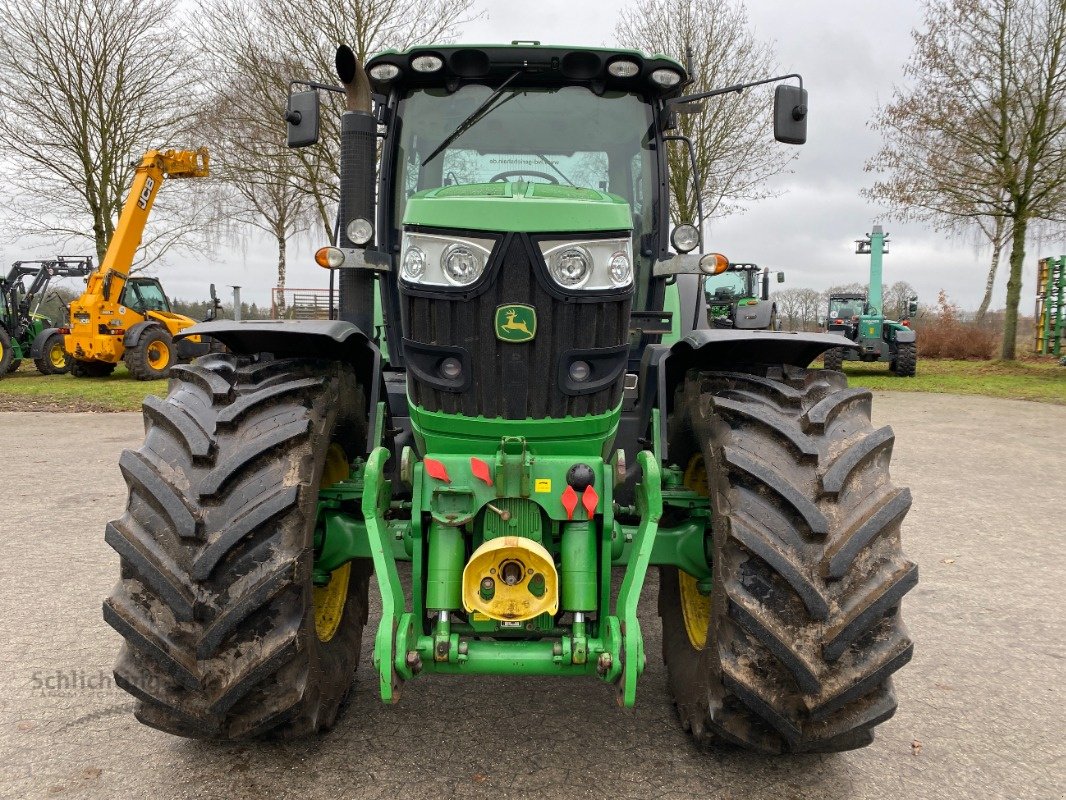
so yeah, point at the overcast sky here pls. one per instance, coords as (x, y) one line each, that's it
(850, 53)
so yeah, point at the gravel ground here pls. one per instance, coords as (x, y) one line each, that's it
(981, 706)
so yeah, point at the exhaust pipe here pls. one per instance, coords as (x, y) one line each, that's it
(358, 156)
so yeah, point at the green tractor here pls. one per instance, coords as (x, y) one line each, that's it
(535, 427)
(859, 317)
(740, 298)
(24, 332)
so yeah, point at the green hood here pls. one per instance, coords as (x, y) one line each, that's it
(522, 207)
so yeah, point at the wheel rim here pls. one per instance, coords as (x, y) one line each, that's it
(57, 356)
(329, 600)
(158, 354)
(695, 605)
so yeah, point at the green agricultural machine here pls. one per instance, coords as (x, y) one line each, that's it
(24, 332)
(1050, 314)
(535, 428)
(739, 298)
(860, 318)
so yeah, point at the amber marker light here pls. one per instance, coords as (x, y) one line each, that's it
(329, 257)
(713, 263)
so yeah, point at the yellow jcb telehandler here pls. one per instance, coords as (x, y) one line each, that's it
(119, 317)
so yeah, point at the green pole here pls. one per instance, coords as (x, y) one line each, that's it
(877, 250)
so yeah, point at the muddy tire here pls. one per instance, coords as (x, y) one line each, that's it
(834, 359)
(803, 629)
(153, 355)
(53, 359)
(905, 364)
(7, 355)
(90, 369)
(215, 600)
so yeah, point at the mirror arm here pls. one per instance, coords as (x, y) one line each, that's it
(697, 181)
(739, 87)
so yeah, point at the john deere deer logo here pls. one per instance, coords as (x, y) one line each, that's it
(516, 323)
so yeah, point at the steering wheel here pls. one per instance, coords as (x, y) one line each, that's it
(502, 176)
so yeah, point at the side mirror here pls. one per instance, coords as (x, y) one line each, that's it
(302, 118)
(214, 297)
(790, 114)
(912, 307)
(780, 277)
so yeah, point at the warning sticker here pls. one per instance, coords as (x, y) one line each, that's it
(542, 485)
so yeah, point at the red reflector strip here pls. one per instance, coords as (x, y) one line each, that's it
(590, 500)
(64, 331)
(569, 500)
(481, 470)
(437, 470)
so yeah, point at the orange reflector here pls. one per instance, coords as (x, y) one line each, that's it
(713, 263)
(329, 257)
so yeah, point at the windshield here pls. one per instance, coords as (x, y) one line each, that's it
(144, 296)
(564, 135)
(845, 307)
(728, 284)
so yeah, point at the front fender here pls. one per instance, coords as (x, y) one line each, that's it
(333, 340)
(134, 334)
(663, 367)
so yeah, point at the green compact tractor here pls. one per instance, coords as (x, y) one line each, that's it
(24, 332)
(740, 298)
(535, 422)
(859, 317)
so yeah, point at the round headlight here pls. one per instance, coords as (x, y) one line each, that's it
(620, 269)
(461, 265)
(666, 77)
(360, 231)
(685, 238)
(623, 68)
(571, 267)
(426, 63)
(385, 72)
(580, 371)
(414, 263)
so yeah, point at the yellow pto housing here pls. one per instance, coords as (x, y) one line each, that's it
(122, 318)
(511, 579)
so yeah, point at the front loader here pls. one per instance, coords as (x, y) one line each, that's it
(127, 318)
(24, 331)
(539, 415)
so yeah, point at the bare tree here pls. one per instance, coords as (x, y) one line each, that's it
(262, 47)
(734, 153)
(980, 132)
(789, 307)
(897, 299)
(86, 86)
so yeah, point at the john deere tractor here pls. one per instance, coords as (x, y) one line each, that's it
(24, 331)
(533, 421)
(859, 317)
(740, 298)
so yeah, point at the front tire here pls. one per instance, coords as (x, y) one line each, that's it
(834, 359)
(794, 648)
(7, 355)
(53, 359)
(153, 355)
(905, 365)
(225, 633)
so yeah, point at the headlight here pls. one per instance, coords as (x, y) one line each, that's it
(461, 264)
(432, 259)
(360, 231)
(620, 269)
(570, 267)
(589, 264)
(384, 72)
(666, 77)
(685, 238)
(414, 263)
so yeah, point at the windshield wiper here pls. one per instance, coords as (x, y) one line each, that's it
(557, 170)
(472, 120)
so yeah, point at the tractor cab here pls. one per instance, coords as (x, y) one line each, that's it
(740, 297)
(845, 311)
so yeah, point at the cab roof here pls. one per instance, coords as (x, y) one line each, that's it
(541, 65)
